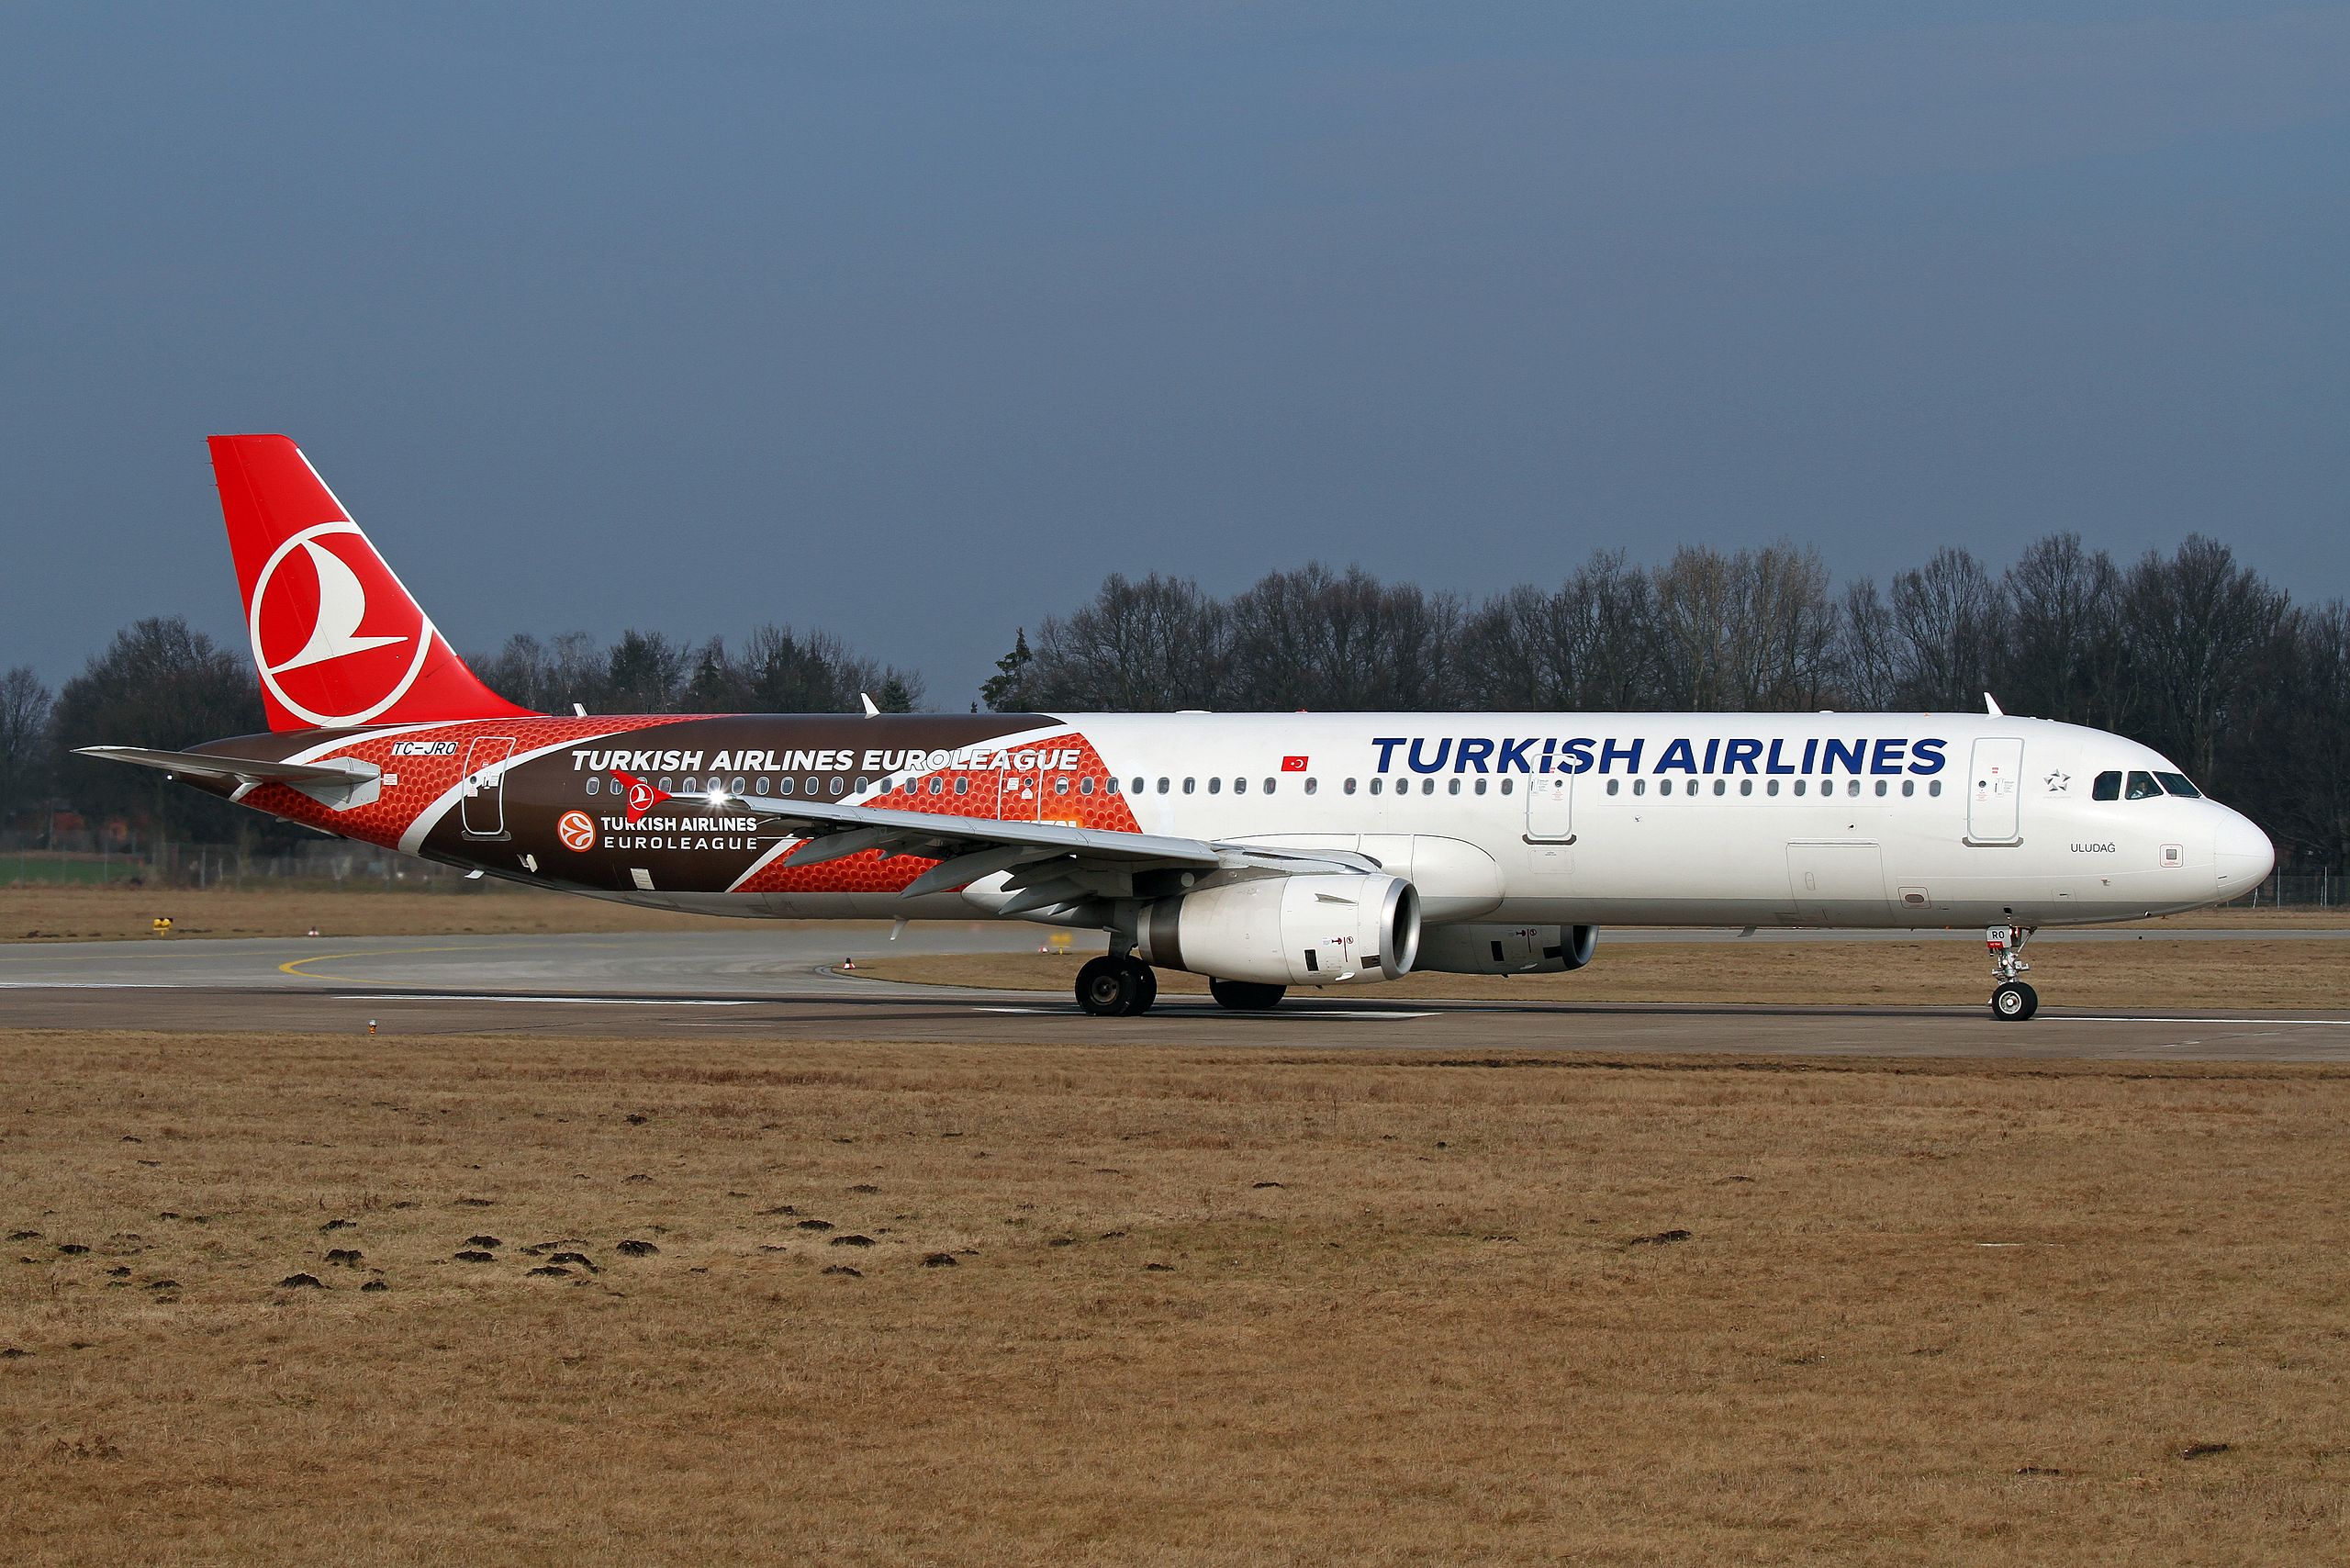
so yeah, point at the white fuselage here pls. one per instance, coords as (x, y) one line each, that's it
(1929, 820)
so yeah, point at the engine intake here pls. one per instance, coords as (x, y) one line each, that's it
(1506, 949)
(1320, 929)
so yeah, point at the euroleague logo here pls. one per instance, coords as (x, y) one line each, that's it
(577, 830)
(306, 621)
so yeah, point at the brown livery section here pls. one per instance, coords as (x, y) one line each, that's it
(552, 828)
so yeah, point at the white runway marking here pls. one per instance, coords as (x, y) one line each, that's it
(2124, 1018)
(1217, 1013)
(574, 1001)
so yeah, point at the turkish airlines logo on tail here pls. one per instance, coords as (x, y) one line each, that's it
(337, 639)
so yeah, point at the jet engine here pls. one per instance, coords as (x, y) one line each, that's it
(1323, 928)
(1506, 949)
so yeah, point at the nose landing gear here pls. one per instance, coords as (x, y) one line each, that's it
(2012, 1001)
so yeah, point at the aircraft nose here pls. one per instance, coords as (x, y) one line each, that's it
(2243, 853)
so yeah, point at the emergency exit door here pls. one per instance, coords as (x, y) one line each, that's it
(1549, 809)
(484, 812)
(1995, 792)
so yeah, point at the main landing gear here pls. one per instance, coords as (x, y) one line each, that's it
(1117, 987)
(2012, 1001)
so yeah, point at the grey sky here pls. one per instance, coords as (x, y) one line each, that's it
(912, 323)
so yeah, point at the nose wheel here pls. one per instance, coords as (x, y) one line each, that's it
(1117, 987)
(2012, 1000)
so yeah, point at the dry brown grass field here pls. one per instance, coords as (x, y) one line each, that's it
(2153, 973)
(1143, 1305)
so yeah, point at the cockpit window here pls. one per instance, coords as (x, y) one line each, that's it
(2141, 787)
(2106, 787)
(2177, 784)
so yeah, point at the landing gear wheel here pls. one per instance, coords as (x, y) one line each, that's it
(1106, 988)
(1246, 996)
(2014, 1002)
(1146, 986)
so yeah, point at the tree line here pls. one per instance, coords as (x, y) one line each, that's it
(2188, 651)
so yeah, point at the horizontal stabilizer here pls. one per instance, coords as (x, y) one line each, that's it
(341, 784)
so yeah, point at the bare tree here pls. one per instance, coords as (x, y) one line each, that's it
(1951, 615)
(2196, 627)
(1583, 647)
(25, 705)
(2061, 657)
(1140, 646)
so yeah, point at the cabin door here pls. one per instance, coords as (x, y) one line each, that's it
(1995, 792)
(485, 787)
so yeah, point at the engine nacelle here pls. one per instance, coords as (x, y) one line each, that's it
(1506, 949)
(1320, 929)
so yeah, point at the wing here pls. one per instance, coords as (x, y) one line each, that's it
(1056, 871)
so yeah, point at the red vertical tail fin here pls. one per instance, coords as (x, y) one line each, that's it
(336, 640)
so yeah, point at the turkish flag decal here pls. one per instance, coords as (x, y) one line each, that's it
(1293, 765)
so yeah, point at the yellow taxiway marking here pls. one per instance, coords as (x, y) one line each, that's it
(295, 966)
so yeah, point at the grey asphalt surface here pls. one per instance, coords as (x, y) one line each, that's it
(784, 981)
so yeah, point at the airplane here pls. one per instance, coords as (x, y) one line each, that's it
(1265, 851)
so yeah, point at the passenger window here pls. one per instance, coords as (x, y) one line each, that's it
(1312, 785)
(2142, 787)
(668, 785)
(1772, 788)
(1269, 785)
(838, 783)
(739, 784)
(1454, 788)
(789, 784)
(1240, 786)
(1908, 785)
(1508, 785)
(962, 786)
(1852, 787)
(1721, 786)
(1376, 785)
(1746, 786)
(1350, 787)
(689, 785)
(1162, 786)
(594, 783)
(1190, 785)
(1110, 786)
(1880, 786)
(1481, 786)
(2106, 787)
(1614, 784)
(1823, 786)
(1427, 786)
(1085, 786)
(2178, 785)
(1215, 786)
(1934, 787)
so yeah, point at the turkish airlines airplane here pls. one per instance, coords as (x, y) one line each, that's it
(1263, 850)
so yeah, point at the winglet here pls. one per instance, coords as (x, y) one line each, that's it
(1991, 706)
(870, 710)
